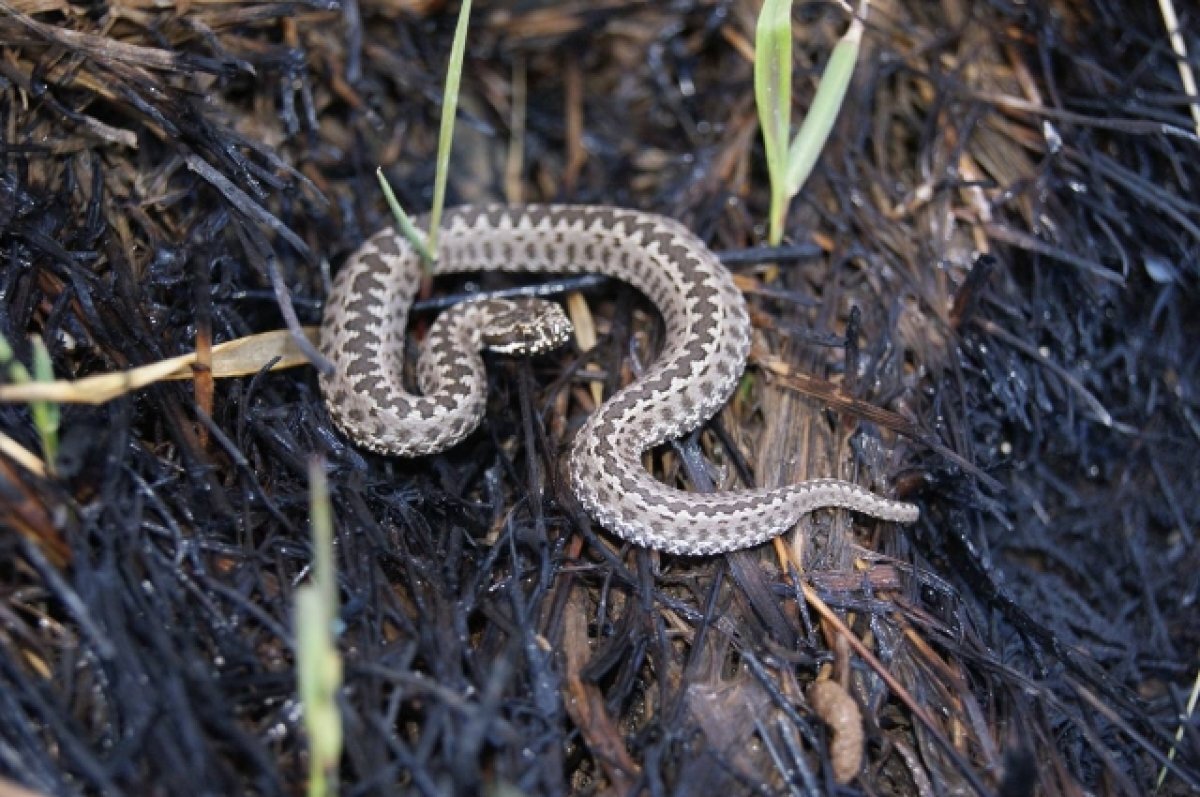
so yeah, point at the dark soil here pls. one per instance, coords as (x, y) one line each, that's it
(985, 306)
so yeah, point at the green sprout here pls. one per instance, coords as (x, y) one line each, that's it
(427, 248)
(46, 414)
(1189, 711)
(790, 166)
(404, 222)
(318, 665)
(449, 111)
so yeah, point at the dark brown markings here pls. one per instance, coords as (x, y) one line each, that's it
(494, 214)
(359, 313)
(645, 425)
(656, 383)
(694, 350)
(455, 372)
(602, 449)
(706, 304)
(388, 243)
(368, 384)
(360, 367)
(423, 406)
(370, 278)
(677, 507)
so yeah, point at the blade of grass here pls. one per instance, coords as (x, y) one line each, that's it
(789, 167)
(404, 222)
(818, 122)
(773, 97)
(318, 665)
(321, 514)
(449, 111)
(1190, 710)
(1171, 21)
(45, 414)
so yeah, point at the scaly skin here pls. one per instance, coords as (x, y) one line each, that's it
(707, 342)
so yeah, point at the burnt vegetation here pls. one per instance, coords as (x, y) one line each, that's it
(985, 302)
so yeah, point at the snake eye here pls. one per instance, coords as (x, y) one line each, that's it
(526, 327)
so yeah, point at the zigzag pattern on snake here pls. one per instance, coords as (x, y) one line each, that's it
(704, 354)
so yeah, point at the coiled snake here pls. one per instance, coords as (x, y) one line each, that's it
(707, 342)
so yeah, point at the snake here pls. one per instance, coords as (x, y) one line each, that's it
(703, 356)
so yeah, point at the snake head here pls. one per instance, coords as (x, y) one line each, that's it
(526, 327)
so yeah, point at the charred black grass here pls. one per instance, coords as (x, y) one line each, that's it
(1043, 610)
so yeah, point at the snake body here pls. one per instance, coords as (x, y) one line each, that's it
(704, 355)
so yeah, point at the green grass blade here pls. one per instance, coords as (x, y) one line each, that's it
(6, 355)
(1189, 710)
(404, 222)
(324, 572)
(819, 120)
(46, 414)
(773, 97)
(449, 110)
(318, 665)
